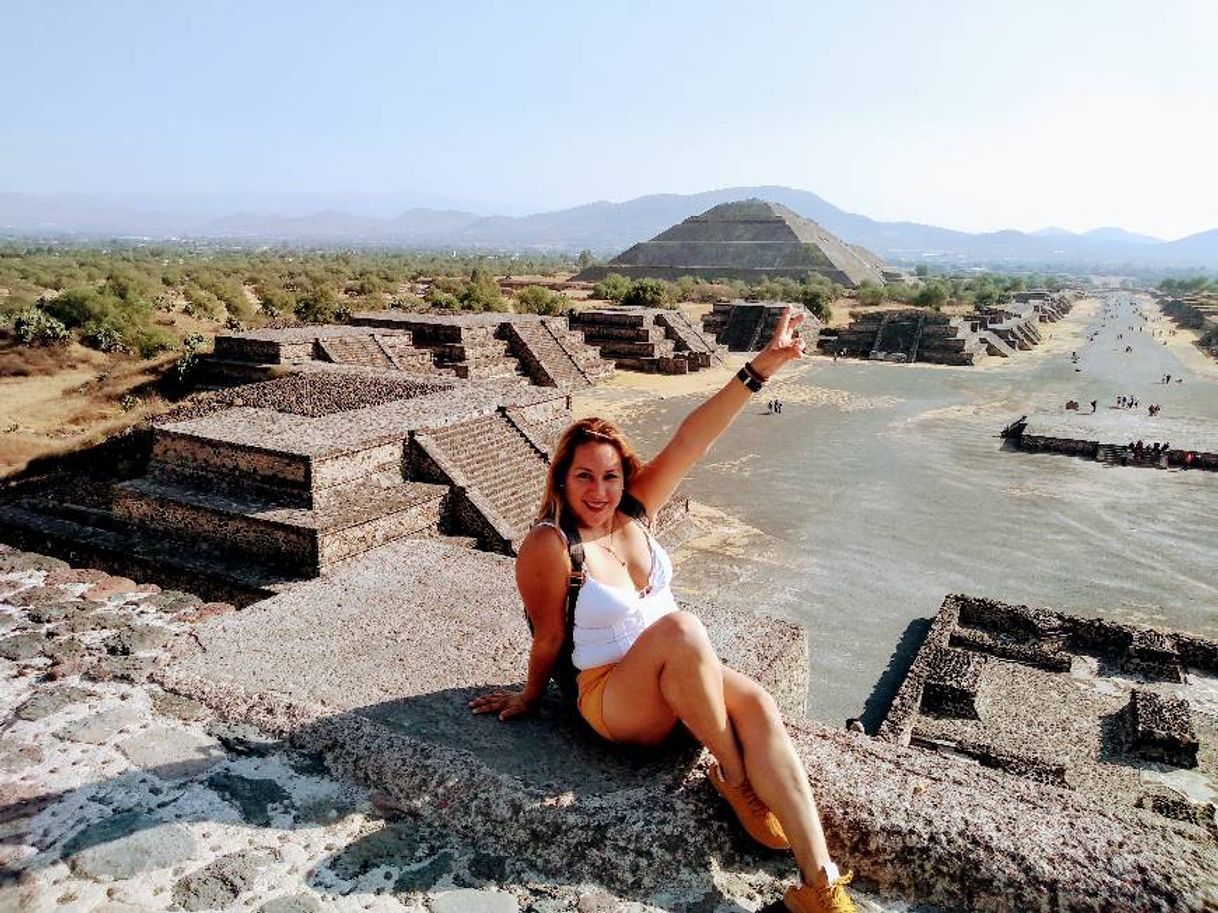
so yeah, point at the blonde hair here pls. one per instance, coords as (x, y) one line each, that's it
(586, 430)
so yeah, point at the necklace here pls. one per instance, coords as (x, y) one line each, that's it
(611, 550)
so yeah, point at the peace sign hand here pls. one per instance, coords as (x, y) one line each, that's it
(785, 345)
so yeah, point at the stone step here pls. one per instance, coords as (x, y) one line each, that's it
(297, 476)
(378, 511)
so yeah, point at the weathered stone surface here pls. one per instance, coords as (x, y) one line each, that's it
(15, 756)
(138, 639)
(172, 754)
(52, 612)
(219, 884)
(37, 596)
(99, 728)
(51, 700)
(470, 901)
(67, 575)
(109, 588)
(126, 845)
(202, 612)
(171, 601)
(291, 903)
(20, 647)
(15, 561)
(253, 796)
(599, 902)
(183, 708)
(928, 827)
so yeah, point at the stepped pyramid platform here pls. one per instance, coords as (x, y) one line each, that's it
(1079, 703)
(323, 468)
(1106, 435)
(505, 348)
(651, 340)
(372, 668)
(909, 335)
(746, 326)
(500, 346)
(750, 240)
(263, 354)
(1018, 325)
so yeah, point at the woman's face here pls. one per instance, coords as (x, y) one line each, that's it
(594, 483)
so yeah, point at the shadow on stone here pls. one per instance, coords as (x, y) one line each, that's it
(876, 706)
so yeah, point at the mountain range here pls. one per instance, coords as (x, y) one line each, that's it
(603, 227)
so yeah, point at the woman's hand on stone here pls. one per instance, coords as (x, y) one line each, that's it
(785, 345)
(508, 704)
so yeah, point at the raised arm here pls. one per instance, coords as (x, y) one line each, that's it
(655, 482)
(542, 569)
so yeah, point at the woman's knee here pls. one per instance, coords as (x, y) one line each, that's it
(683, 631)
(752, 702)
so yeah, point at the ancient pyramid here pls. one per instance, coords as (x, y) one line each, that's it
(749, 240)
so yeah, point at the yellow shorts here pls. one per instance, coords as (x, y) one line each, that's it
(591, 684)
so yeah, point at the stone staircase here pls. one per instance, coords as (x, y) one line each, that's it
(588, 359)
(746, 326)
(898, 335)
(552, 355)
(701, 350)
(498, 473)
(631, 339)
(744, 329)
(995, 345)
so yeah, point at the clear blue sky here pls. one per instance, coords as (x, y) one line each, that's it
(970, 114)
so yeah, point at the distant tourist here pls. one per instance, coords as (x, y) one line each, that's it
(1094, 403)
(637, 667)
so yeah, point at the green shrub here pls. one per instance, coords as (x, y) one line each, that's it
(407, 302)
(932, 295)
(612, 288)
(35, 327)
(104, 337)
(482, 293)
(317, 305)
(534, 299)
(445, 301)
(649, 293)
(870, 293)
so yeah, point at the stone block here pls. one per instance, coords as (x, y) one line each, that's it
(1161, 729)
(952, 680)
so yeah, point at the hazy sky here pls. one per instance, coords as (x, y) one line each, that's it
(972, 114)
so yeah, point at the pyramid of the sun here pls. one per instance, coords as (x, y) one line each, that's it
(750, 240)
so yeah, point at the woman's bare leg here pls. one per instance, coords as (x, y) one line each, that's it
(774, 769)
(673, 673)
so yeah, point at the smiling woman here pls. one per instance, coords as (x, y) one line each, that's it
(596, 587)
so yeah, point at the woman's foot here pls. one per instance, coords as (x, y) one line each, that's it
(759, 822)
(822, 896)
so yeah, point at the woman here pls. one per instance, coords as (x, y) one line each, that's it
(646, 666)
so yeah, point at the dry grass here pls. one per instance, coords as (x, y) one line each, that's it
(58, 399)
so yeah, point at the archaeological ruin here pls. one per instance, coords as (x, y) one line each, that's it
(752, 240)
(1110, 437)
(906, 335)
(650, 340)
(745, 326)
(1119, 713)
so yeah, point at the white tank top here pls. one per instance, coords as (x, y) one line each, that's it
(609, 619)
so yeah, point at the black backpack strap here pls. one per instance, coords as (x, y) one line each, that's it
(564, 671)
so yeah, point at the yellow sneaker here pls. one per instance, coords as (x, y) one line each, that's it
(758, 821)
(822, 896)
